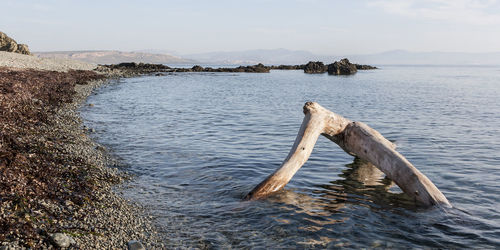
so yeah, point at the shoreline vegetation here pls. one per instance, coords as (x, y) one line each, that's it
(57, 186)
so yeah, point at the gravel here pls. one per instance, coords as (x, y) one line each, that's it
(20, 61)
(110, 222)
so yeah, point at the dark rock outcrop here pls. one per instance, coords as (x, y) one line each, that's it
(364, 67)
(140, 66)
(197, 68)
(288, 67)
(342, 67)
(10, 45)
(315, 68)
(133, 69)
(259, 68)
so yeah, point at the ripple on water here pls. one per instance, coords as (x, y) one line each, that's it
(199, 142)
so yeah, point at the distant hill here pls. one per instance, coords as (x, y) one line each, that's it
(278, 56)
(266, 56)
(112, 56)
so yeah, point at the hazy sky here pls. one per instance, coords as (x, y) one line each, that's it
(189, 26)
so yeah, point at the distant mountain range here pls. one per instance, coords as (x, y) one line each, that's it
(395, 57)
(112, 56)
(278, 56)
(266, 56)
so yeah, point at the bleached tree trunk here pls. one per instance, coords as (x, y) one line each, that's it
(357, 139)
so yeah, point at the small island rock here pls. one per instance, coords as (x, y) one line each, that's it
(197, 68)
(315, 68)
(364, 67)
(342, 67)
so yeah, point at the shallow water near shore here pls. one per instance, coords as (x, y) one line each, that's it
(198, 142)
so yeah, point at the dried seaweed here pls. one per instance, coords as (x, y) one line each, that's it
(32, 166)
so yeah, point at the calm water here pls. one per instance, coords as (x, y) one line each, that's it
(198, 142)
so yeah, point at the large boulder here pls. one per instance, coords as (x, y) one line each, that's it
(342, 67)
(10, 45)
(314, 68)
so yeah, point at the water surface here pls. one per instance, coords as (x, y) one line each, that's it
(198, 142)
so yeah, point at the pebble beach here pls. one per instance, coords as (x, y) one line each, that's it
(92, 217)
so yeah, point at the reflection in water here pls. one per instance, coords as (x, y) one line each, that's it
(362, 184)
(365, 184)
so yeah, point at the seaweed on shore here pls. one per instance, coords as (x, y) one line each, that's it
(33, 165)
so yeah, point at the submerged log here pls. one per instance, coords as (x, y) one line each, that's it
(357, 139)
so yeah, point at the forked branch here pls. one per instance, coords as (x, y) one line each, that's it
(357, 139)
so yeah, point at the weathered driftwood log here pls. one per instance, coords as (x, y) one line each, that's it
(357, 139)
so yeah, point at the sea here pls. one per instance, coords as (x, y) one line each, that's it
(197, 143)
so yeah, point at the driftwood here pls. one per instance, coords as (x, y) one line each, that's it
(357, 139)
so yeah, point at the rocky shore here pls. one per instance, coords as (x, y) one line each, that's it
(58, 188)
(56, 184)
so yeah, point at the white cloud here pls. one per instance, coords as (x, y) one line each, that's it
(479, 12)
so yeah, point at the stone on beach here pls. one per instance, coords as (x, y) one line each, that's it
(135, 245)
(61, 240)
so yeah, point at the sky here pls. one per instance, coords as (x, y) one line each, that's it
(197, 26)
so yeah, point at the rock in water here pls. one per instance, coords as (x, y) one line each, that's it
(314, 68)
(8, 44)
(135, 245)
(61, 240)
(197, 68)
(343, 67)
(364, 67)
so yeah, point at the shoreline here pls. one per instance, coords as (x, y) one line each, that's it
(91, 213)
(117, 219)
(96, 216)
